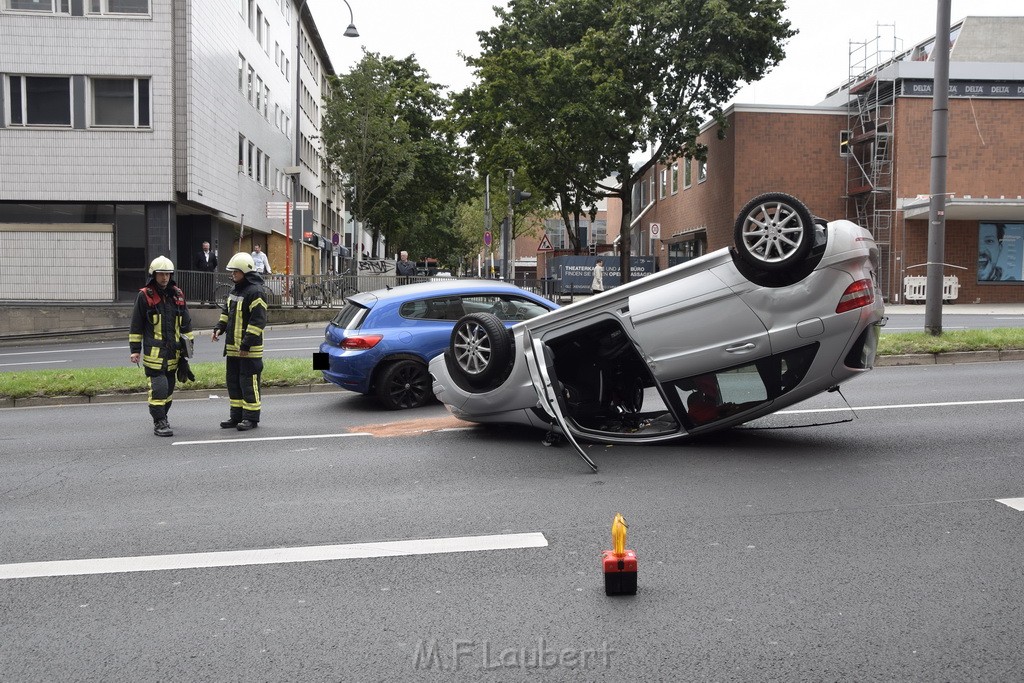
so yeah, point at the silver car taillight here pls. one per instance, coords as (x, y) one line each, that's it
(861, 293)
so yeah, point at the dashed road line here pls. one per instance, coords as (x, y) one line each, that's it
(1015, 503)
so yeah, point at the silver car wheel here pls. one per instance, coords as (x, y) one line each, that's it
(774, 232)
(472, 347)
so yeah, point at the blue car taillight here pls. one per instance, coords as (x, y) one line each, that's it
(361, 342)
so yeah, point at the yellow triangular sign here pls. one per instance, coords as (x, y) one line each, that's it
(545, 244)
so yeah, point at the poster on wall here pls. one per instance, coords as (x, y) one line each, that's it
(1000, 247)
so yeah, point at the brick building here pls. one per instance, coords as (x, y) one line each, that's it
(864, 153)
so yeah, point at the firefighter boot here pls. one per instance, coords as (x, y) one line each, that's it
(233, 419)
(161, 428)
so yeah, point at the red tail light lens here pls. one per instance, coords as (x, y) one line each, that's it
(861, 293)
(366, 341)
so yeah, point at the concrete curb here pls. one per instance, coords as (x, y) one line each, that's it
(136, 397)
(949, 358)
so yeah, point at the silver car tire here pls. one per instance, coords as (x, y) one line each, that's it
(774, 232)
(480, 350)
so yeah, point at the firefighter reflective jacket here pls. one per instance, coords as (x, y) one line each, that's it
(244, 318)
(160, 320)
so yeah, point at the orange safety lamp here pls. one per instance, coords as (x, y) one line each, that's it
(619, 563)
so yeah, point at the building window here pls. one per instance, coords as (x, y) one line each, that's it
(241, 73)
(844, 143)
(241, 153)
(259, 93)
(675, 177)
(118, 6)
(702, 171)
(687, 173)
(48, 6)
(266, 100)
(122, 102)
(663, 183)
(251, 84)
(250, 160)
(40, 101)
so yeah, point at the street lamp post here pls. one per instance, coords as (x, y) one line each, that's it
(350, 32)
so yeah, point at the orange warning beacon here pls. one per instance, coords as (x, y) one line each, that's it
(619, 563)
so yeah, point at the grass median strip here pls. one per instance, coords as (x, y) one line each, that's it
(299, 371)
(127, 380)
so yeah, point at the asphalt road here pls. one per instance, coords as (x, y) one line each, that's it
(284, 341)
(873, 548)
(300, 341)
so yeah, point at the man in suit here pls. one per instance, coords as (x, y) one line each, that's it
(206, 262)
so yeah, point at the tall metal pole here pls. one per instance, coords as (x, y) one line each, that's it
(487, 217)
(506, 228)
(937, 205)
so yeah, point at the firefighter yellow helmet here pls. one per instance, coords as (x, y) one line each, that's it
(161, 264)
(242, 261)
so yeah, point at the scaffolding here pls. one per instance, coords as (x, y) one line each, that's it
(867, 141)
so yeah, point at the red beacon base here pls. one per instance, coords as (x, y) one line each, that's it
(619, 572)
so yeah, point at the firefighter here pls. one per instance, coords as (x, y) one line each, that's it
(242, 322)
(161, 327)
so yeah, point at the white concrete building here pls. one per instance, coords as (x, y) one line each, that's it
(135, 128)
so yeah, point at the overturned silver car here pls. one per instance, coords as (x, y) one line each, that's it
(791, 311)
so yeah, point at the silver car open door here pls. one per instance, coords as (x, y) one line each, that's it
(544, 379)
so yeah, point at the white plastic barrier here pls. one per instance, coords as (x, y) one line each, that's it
(914, 287)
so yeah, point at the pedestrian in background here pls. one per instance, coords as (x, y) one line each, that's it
(597, 283)
(160, 329)
(404, 267)
(242, 322)
(206, 262)
(260, 260)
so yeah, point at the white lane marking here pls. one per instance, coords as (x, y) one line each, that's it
(37, 362)
(1016, 503)
(239, 558)
(904, 405)
(271, 438)
(33, 353)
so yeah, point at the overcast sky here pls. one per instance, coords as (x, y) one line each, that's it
(817, 58)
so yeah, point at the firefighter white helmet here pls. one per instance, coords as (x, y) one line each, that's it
(161, 264)
(243, 262)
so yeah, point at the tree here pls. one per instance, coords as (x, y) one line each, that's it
(584, 87)
(384, 132)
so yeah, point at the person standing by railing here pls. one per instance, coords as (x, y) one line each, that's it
(206, 262)
(404, 268)
(260, 260)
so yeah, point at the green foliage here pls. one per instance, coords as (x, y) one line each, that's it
(573, 90)
(386, 134)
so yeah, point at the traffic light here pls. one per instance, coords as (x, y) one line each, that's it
(516, 196)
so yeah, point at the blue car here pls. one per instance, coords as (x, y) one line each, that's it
(381, 342)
